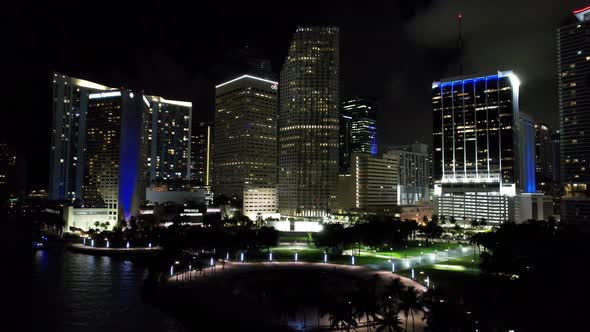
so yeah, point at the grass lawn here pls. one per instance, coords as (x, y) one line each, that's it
(457, 273)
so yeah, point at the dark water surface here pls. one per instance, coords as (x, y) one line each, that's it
(77, 292)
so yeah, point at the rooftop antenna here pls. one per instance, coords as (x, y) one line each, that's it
(460, 41)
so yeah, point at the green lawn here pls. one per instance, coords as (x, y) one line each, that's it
(458, 272)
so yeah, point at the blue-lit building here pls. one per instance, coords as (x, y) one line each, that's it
(483, 148)
(362, 112)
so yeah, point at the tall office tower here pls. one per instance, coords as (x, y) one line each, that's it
(309, 123)
(543, 154)
(363, 111)
(170, 139)
(70, 103)
(478, 149)
(201, 154)
(345, 143)
(116, 147)
(573, 69)
(245, 140)
(413, 172)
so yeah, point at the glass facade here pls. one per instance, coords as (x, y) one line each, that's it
(363, 111)
(573, 61)
(309, 123)
(477, 161)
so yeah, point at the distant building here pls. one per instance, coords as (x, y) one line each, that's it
(556, 152)
(12, 173)
(363, 113)
(309, 123)
(345, 143)
(483, 148)
(201, 154)
(372, 185)
(413, 173)
(573, 69)
(245, 135)
(170, 123)
(544, 154)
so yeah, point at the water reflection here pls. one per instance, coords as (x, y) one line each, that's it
(75, 292)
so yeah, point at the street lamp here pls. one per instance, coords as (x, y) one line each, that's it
(84, 241)
(427, 282)
(352, 260)
(242, 257)
(127, 244)
(325, 257)
(92, 242)
(270, 256)
(149, 245)
(413, 274)
(108, 244)
(227, 256)
(296, 257)
(392, 267)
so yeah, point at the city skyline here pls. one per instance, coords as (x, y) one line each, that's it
(182, 71)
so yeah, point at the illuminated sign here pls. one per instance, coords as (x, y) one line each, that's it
(104, 94)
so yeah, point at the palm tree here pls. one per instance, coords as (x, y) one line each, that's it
(388, 320)
(443, 220)
(393, 291)
(341, 315)
(366, 302)
(411, 302)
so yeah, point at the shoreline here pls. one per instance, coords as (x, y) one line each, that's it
(99, 251)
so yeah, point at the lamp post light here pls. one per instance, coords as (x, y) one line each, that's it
(227, 256)
(325, 257)
(296, 257)
(108, 244)
(352, 260)
(127, 244)
(427, 282)
(171, 270)
(149, 245)
(413, 274)
(421, 257)
(242, 257)
(84, 241)
(392, 267)
(92, 242)
(270, 256)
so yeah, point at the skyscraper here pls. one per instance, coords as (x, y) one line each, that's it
(170, 139)
(309, 123)
(116, 146)
(245, 138)
(363, 111)
(573, 69)
(70, 103)
(201, 154)
(480, 159)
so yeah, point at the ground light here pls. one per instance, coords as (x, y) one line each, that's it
(352, 260)
(84, 241)
(150, 244)
(227, 256)
(127, 244)
(413, 274)
(296, 257)
(242, 257)
(427, 281)
(171, 269)
(392, 267)
(270, 256)
(212, 261)
(92, 242)
(325, 257)
(108, 244)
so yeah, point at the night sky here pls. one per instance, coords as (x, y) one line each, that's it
(392, 50)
